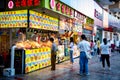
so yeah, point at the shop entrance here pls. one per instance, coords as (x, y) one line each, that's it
(99, 35)
(4, 44)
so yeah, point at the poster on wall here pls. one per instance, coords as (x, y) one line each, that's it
(42, 21)
(62, 24)
(13, 19)
(69, 24)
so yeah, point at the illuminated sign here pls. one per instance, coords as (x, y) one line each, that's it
(42, 21)
(79, 16)
(64, 9)
(57, 6)
(10, 4)
(98, 15)
(52, 4)
(13, 19)
(22, 3)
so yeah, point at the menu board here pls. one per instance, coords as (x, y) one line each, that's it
(61, 55)
(42, 21)
(37, 58)
(62, 24)
(77, 27)
(13, 19)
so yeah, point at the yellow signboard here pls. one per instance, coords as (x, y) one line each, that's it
(13, 19)
(37, 58)
(42, 21)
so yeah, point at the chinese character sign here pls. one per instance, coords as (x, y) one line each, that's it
(22, 3)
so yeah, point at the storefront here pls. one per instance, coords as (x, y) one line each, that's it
(30, 29)
(77, 30)
(88, 28)
(31, 38)
(98, 22)
(65, 15)
(105, 23)
(113, 28)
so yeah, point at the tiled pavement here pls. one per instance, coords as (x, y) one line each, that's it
(67, 71)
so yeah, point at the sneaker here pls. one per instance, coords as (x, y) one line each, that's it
(109, 68)
(87, 74)
(79, 74)
(103, 68)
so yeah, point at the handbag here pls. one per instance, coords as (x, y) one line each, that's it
(88, 55)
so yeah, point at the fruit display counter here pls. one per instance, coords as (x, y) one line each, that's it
(37, 59)
(28, 60)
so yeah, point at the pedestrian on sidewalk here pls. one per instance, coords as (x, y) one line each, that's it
(71, 50)
(98, 46)
(95, 47)
(92, 47)
(84, 47)
(53, 54)
(105, 53)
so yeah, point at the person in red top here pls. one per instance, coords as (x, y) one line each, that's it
(92, 47)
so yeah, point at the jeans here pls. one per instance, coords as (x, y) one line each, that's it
(83, 62)
(71, 56)
(53, 60)
(95, 51)
(92, 53)
(98, 51)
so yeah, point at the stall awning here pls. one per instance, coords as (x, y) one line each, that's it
(109, 29)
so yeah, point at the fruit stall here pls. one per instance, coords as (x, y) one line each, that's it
(30, 33)
(29, 25)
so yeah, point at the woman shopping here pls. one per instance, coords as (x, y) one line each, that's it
(71, 50)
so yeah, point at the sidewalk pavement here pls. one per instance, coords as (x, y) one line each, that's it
(67, 71)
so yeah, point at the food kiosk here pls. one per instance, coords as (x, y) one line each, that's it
(28, 26)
